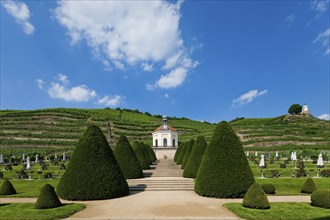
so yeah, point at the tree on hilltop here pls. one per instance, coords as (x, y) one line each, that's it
(295, 109)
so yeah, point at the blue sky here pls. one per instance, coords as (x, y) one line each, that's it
(205, 60)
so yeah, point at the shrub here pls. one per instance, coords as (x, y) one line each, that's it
(145, 151)
(195, 158)
(140, 155)
(224, 171)
(93, 172)
(269, 188)
(190, 145)
(7, 188)
(1, 174)
(177, 152)
(321, 198)
(62, 166)
(8, 167)
(48, 175)
(127, 160)
(47, 198)
(255, 198)
(151, 152)
(182, 153)
(309, 186)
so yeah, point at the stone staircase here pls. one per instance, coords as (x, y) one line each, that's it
(164, 175)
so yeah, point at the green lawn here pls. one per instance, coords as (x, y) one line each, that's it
(292, 186)
(280, 211)
(28, 211)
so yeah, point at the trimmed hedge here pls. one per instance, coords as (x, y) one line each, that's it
(224, 171)
(93, 172)
(255, 198)
(7, 188)
(269, 188)
(151, 152)
(140, 155)
(182, 153)
(145, 151)
(321, 198)
(195, 159)
(309, 186)
(127, 160)
(190, 145)
(177, 152)
(48, 198)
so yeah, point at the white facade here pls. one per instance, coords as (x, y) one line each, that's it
(305, 110)
(165, 136)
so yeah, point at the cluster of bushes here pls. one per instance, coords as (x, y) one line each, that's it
(144, 154)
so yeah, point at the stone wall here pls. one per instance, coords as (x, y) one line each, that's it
(162, 152)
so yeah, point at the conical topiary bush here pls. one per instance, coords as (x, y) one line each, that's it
(177, 152)
(146, 154)
(151, 152)
(256, 198)
(190, 145)
(140, 155)
(93, 172)
(195, 159)
(182, 153)
(47, 198)
(224, 171)
(309, 186)
(127, 160)
(7, 188)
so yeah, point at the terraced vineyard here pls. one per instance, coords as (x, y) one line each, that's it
(61, 128)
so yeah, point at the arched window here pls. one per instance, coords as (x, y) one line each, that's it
(165, 142)
(156, 143)
(173, 143)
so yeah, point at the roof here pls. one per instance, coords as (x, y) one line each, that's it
(161, 128)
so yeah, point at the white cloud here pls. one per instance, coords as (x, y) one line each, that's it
(320, 5)
(323, 38)
(127, 33)
(324, 117)
(77, 93)
(172, 79)
(290, 19)
(21, 13)
(62, 78)
(147, 67)
(111, 101)
(248, 97)
(40, 83)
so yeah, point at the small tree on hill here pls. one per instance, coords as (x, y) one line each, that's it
(141, 156)
(195, 159)
(7, 188)
(93, 172)
(127, 160)
(47, 198)
(190, 145)
(295, 109)
(182, 153)
(224, 171)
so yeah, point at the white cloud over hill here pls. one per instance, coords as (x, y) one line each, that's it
(248, 97)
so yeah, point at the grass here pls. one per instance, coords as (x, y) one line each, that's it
(280, 211)
(28, 211)
(29, 188)
(292, 186)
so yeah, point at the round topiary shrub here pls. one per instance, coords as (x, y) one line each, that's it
(224, 171)
(268, 188)
(140, 155)
(7, 188)
(195, 159)
(309, 186)
(127, 160)
(48, 198)
(182, 153)
(93, 172)
(255, 198)
(190, 145)
(321, 198)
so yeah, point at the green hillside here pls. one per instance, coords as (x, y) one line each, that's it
(62, 127)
